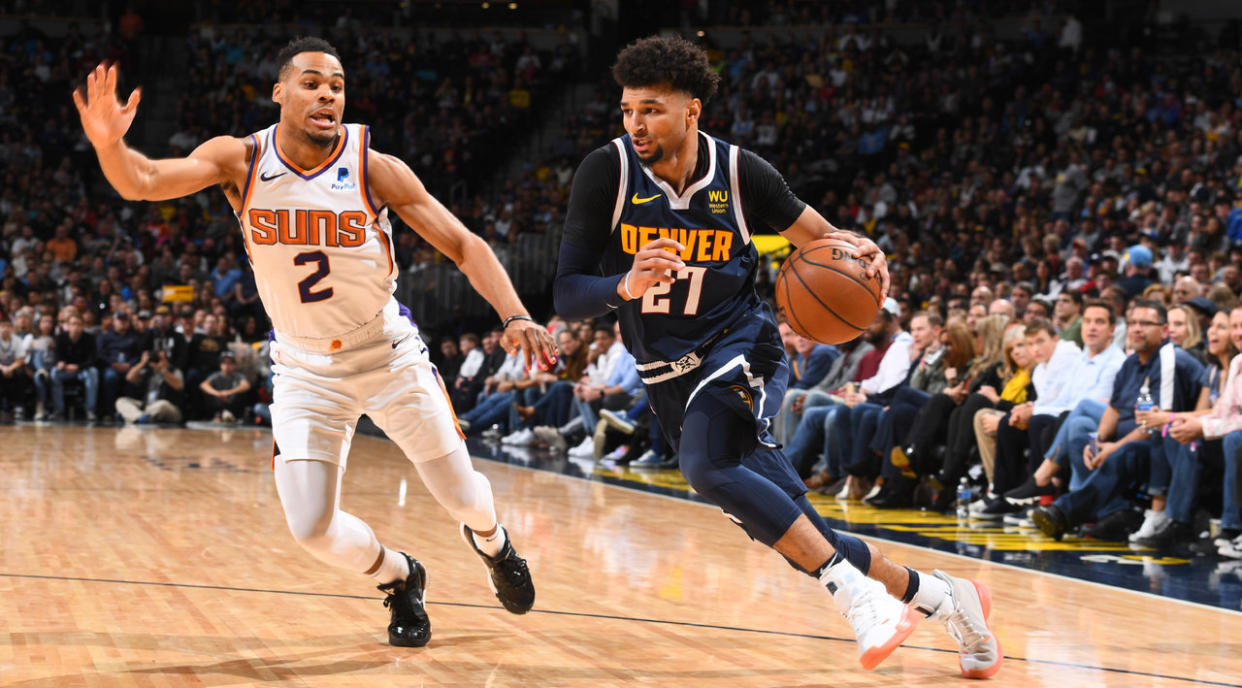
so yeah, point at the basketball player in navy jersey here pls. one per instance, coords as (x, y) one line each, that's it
(312, 199)
(659, 230)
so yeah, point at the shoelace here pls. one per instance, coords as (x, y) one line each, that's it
(514, 565)
(862, 610)
(968, 636)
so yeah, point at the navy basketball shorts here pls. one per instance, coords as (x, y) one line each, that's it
(745, 369)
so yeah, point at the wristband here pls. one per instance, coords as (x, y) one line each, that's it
(625, 284)
(511, 318)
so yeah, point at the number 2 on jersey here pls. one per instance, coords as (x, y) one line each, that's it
(304, 287)
(656, 301)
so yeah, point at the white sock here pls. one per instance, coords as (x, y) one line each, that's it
(931, 595)
(394, 567)
(492, 544)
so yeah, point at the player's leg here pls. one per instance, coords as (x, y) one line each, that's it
(410, 404)
(310, 493)
(313, 416)
(717, 433)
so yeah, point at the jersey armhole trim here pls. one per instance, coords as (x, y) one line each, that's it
(622, 186)
(735, 187)
(363, 156)
(251, 171)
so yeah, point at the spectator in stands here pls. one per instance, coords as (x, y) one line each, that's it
(225, 391)
(1125, 436)
(75, 360)
(41, 349)
(119, 348)
(1067, 316)
(14, 373)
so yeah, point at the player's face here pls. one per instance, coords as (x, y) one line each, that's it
(312, 96)
(657, 118)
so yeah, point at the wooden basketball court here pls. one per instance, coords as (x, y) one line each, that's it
(160, 557)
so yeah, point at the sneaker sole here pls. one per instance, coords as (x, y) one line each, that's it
(617, 425)
(909, 621)
(985, 601)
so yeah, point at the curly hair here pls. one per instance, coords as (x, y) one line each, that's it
(666, 59)
(302, 44)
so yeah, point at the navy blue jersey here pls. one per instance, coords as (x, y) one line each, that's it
(717, 285)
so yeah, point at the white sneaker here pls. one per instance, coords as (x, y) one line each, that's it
(1154, 523)
(584, 450)
(521, 438)
(880, 621)
(226, 416)
(618, 453)
(617, 420)
(1231, 549)
(875, 491)
(965, 614)
(548, 434)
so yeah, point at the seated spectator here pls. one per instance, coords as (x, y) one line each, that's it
(1184, 332)
(812, 362)
(14, 374)
(75, 354)
(1067, 316)
(119, 348)
(1157, 368)
(225, 391)
(483, 358)
(42, 356)
(158, 387)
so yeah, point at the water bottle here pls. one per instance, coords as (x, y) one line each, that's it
(1144, 401)
(963, 497)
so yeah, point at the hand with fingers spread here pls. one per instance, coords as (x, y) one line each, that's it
(537, 345)
(104, 119)
(867, 250)
(654, 264)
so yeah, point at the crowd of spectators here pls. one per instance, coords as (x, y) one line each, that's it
(1049, 207)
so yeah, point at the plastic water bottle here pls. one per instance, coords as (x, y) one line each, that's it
(963, 497)
(1144, 401)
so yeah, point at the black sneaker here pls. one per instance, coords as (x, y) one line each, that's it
(1116, 526)
(1028, 493)
(510, 579)
(1051, 521)
(996, 510)
(410, 626)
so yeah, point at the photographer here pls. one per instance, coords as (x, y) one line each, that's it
(160, 386)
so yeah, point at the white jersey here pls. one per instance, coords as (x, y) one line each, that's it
(321, 251)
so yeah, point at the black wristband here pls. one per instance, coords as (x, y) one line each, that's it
(511, 318)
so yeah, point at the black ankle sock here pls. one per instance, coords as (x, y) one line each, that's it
(912, 588)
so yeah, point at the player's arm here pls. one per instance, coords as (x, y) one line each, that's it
(768, 199)
(579, 291)
(395, 185)
(135, 176)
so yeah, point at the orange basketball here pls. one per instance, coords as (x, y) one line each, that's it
(824, 293)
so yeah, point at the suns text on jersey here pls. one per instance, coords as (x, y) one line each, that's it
(303, 227)
(701, 245)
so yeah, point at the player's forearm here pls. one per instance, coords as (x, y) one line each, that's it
(488, 277)
(127, 170)
(578, 294)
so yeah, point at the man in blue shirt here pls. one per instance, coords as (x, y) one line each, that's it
(1081, 400)
(1170, 376)
(812, 362)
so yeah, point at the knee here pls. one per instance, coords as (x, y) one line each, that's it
(695, 467)
(312, 531)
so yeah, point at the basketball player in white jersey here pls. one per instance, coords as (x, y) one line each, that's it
(313, 201)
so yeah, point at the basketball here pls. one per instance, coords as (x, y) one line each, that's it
(824, 293)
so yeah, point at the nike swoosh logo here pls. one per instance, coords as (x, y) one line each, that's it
(639, 201)
(264, 177)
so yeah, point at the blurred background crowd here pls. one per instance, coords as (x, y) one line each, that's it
(1032, 168)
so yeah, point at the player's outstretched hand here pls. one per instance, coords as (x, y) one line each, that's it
(538, 346)
(654, 264)
(867, 250)
(104, 119)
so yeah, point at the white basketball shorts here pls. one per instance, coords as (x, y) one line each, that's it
(320, 389)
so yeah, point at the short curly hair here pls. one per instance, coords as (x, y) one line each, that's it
(302, 44)
(666, 59)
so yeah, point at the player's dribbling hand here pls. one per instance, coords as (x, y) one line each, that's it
(538, 347)
(104, 119)
(654, 264)
(867, 250)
